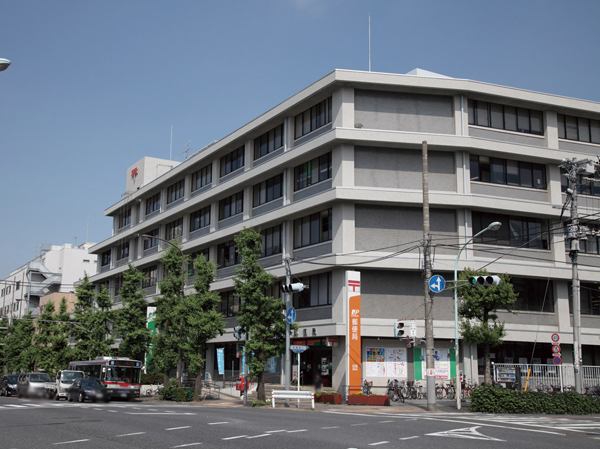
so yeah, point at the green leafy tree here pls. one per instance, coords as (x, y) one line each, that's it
(479, 306)
(82, 314)
(169, 320)
(203, 321)
(20, 352)
(44, 338)
(3, 337)
(60, 342)
(261, 316)
(100, 324)
(131, 319)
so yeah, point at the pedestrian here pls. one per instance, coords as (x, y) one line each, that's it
(318, 382)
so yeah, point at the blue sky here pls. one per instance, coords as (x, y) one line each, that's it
(95, 86)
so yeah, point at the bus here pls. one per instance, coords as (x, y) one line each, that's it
(122, 376)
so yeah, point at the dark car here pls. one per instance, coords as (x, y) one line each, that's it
(89, 388)
(8, 385)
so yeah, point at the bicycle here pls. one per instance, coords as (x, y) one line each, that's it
(150, 391)
(411, 390)
(294, 381)
(367, 387)
(394, 391)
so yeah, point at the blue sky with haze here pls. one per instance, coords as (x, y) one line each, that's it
(96, 85)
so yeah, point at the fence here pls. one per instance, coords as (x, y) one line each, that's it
(559, 376)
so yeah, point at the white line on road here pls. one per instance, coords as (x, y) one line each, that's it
(178, 428)
(69, 442)
(294, 431)
(332, 427)
(158, 413)
(129, 434)
(112, 411)
(187, 445)
(381, 422)
(215, 423)
(361, 424)
(378, 443)
(275, 431)
(408, 438)
(259, 436)
(15, 405)
(234, 438)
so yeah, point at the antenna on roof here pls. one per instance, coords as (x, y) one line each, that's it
(369, 42)
(171, 146)
(187, 149)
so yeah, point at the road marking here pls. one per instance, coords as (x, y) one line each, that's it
(112, 411)
(408, 438)
(215, 423)
(470, 433)
(98, 409)
(294, 431)
(378, 443)
(69, 442)
(332, 427)
(187, 445)
(275, 431)
(259, 436)
(158, 413)
(361, 424)
(233, 438)
(129, 434)
(16, 406)
(178, 428)
(381, 422)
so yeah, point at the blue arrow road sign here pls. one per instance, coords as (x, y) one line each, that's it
(290, 316)
(437, 283)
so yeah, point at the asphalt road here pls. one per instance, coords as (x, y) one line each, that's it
(49, 424)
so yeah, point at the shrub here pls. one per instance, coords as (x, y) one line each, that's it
(183, 394)
(259, 403)
(152, 379)
(490, 399)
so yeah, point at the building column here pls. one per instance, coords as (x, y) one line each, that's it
(247, 202)
(187, 187)
(216, 171)
(550, 129)
(214, 215)
(140, 247)
(343, 108)
(288, 185)
(342, 162)
(248, 154)
(562, 309)
(343, 240)
(185, 231)
(288, 133)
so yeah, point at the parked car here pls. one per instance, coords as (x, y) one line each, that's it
(8, 385)
(89, 388)
(32, 384)
(60, 387)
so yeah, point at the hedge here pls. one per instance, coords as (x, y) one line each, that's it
(490, 399)
(179, 394)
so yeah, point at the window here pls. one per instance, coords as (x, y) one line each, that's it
(313, 118)
(151, 242)
(200, 219)
(202, 177)
(174, 229)
(125, 218)
(232, 205)
(312, 172)
(118, 283)
(271, 241)
(18, 286)
(227, 255)
(523, 232)
(509, 172)
(589, 298)
(268, 190)
(153, 204)
(577, 128)
(592, 243)
(584, 185)
(535, 295)
(175, 191)
(318, 293)
(106, 255)
(509, 118)
(230, 304)
(8, 289)
(123, 251)
(203, 252)
(232, 161)
(15, 306)
(312, 229)
(268, 142)
(150, 276)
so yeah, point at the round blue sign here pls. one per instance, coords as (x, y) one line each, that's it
(437, 283)
(557, 360)
(290, 316)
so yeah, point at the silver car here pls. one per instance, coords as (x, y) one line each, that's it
(32, 384)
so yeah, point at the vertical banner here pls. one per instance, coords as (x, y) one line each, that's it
(353, 334)
(221, 360)
(150, 324)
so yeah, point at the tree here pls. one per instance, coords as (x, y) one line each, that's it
(3, 337)
(168, 322)
(131, 319)
(81, 314)
(60, 342)
(20, 352)
(261, 316)
(481, 304)
(203, 321)
(47, 330)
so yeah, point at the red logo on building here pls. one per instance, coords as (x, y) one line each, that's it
(354, 285)
(134, 173)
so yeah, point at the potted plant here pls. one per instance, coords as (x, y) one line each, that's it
(329, 397)
(371, 399)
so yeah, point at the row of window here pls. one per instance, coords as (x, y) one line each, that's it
(589, 298)
(585, 185)
(267, 143)
(232, 161)
(202, 177)
(268, 190)
(313, 118)
(506, 171)
(578, 128)
(313, 229)
(125, 218)
(231, 206)
(312, 172)
(522, 232)
(509, 118)
(175, 191)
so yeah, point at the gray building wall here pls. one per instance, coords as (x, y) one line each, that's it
(402, 168)
(504, 136)
(379, 226)
(401, 111)
(482, 188)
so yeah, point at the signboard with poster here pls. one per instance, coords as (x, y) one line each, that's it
(396, 362)
(375, 362)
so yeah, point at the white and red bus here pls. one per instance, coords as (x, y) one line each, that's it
(122, 376)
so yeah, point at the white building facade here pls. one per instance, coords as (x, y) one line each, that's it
(332, 178)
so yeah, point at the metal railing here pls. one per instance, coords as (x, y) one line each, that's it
(542, 376)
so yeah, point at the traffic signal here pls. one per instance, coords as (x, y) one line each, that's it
(238, 332)
(484, 281)
(294, 288)
(399, 329)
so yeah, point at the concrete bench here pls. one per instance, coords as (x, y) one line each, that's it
(293, 394)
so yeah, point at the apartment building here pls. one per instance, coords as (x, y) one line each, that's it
(332, 178)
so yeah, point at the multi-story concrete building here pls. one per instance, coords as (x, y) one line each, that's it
(332, 178)
(50, 276)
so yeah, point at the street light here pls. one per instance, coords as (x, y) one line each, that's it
(492, 227)
(4, 63)
(179, 364)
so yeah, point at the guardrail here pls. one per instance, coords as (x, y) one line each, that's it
(541, 376)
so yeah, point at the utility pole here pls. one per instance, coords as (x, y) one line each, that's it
(574, 168)
(431, 401)
(288, 297)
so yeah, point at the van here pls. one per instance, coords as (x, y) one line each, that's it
(32, 384)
